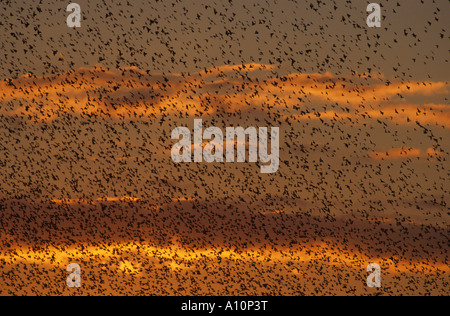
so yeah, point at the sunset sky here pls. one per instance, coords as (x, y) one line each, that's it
(86, 116)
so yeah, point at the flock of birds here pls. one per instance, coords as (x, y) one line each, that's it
(85, 122)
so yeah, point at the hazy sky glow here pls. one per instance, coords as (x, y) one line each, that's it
(300, 36)
(85, 150)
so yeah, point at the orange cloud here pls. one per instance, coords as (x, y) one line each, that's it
(178, 257)
(102, 199)
(133, 93)
(404, 152)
